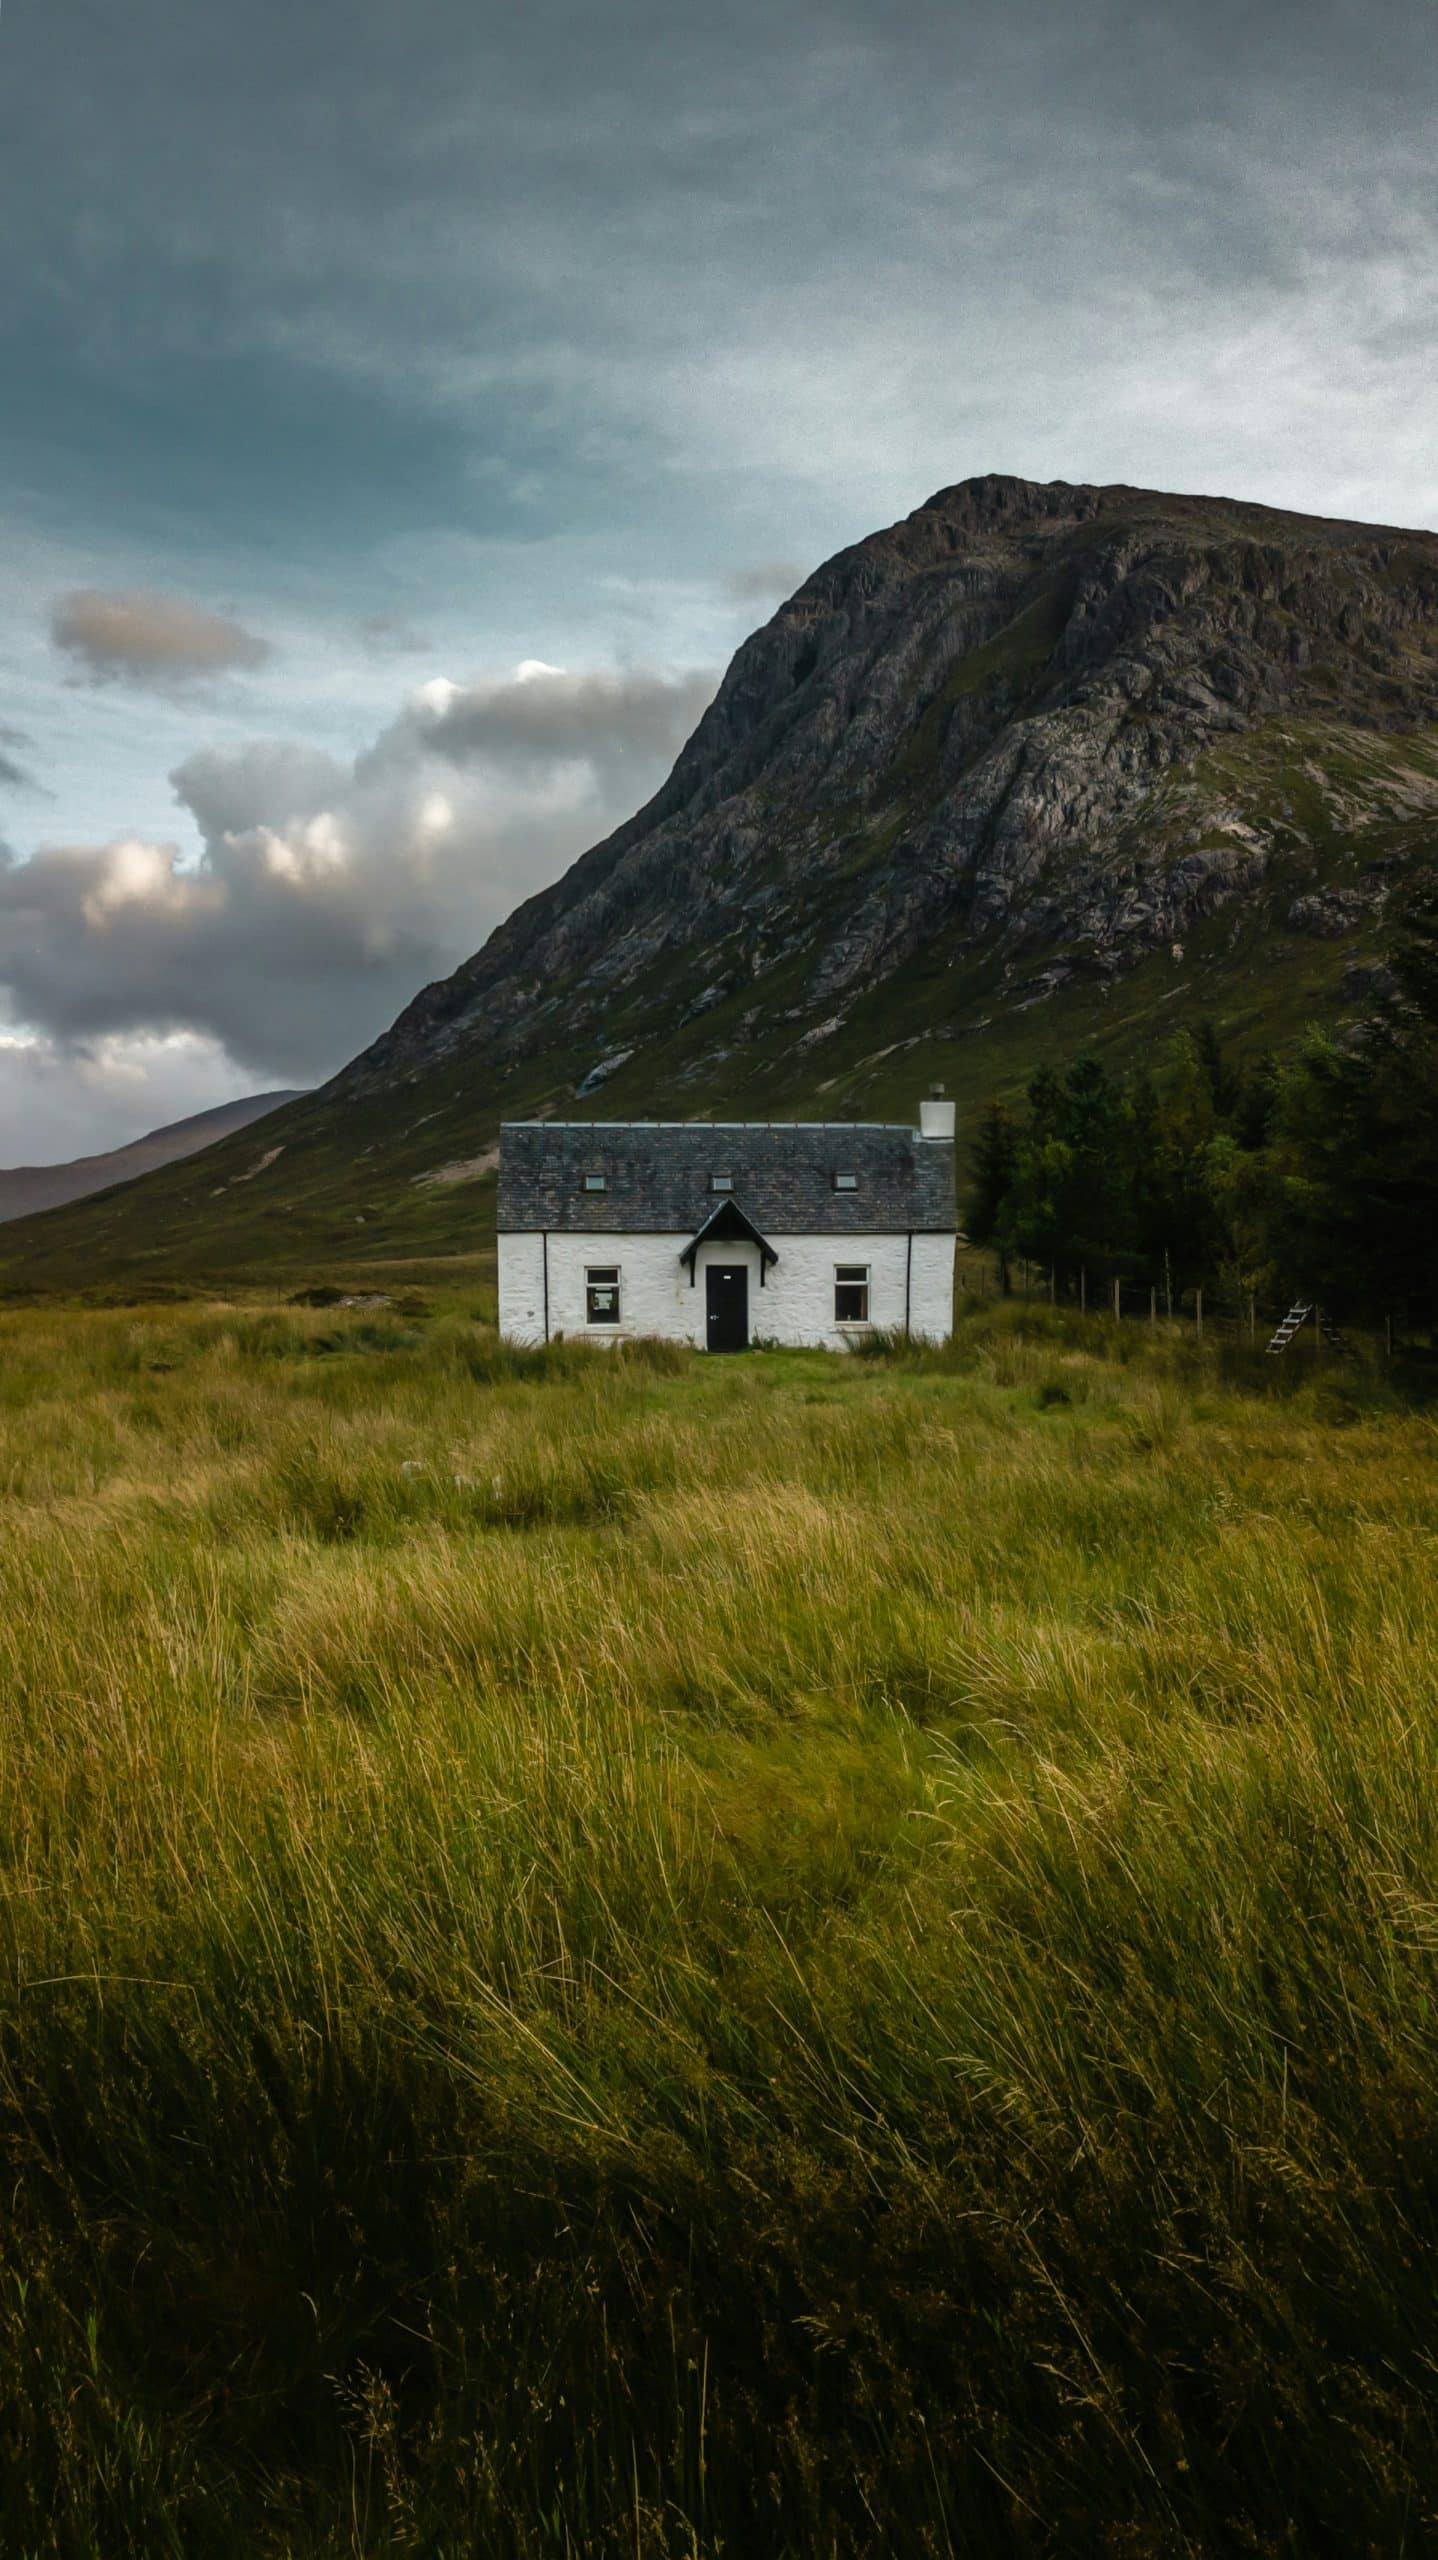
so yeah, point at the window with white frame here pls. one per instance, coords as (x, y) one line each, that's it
(721, 1181)
(846, 1182)
(596, 1182)
(851, 1293)
(601, 1293)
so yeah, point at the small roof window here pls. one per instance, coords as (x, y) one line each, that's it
(721, 1181)
(846, 1182)
(596, 1182)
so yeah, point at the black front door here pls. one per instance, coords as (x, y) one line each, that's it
(726, 1305)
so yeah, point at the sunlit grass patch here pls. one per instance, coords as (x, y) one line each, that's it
(787, 1956)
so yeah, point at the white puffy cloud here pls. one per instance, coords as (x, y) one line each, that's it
(57, 1102)
(542, 721)
(144, 639)
(325, 895)
(266, 782)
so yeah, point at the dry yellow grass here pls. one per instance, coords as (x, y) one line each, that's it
(782, 1956)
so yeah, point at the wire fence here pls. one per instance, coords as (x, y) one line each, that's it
(1298, 1326)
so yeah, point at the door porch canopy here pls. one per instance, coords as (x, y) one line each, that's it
(727, 1223)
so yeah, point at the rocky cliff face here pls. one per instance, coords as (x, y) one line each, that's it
(1048, 728)
(1036, 769)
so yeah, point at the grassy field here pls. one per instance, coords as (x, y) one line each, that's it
(786, 1956)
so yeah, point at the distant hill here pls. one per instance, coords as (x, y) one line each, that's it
(29, 1187)
(1040, 766)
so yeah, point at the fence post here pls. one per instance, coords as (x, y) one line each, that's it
(1252, 1319)
(1168, 1284)
(1198, 1311)
(1388, 1335)
(1083, 1289)
(1117, 1303)
(1153, 1308)
(1053, 1294)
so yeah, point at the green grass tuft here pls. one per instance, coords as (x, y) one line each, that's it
(790, 1956)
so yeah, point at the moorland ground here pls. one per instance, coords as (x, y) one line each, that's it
(785, 1956)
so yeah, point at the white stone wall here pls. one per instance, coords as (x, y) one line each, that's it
(795, 1304)
(521, 1288)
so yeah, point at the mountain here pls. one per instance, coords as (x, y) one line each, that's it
(29, 1187)
(1038, 765)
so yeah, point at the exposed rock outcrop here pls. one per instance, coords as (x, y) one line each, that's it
(1063, 722)
(1036, 768)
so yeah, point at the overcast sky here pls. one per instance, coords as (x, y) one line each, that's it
(408, 408)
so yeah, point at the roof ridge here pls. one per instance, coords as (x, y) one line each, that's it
(909, 1127)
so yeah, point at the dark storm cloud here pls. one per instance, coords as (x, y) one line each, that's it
(584, 333)
(149, 639)
(836, 246)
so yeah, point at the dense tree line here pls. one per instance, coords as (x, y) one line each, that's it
(1314, 1173)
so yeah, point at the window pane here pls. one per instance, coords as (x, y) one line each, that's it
(851, 1293)
(846, 1182)
(721, 1181)
(601, 1294)
(594, 1182)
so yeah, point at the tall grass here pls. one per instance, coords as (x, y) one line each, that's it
(632, 1955)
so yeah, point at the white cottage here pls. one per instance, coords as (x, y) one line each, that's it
(724, 1233)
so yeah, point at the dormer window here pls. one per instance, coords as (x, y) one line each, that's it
(596, 1182)
(846, 1182)
(721, 1181)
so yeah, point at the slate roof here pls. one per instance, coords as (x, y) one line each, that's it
(657, 1176)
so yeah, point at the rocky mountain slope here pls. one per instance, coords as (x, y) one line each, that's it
(1015, 713)
(1036, 765)
(26, 1188)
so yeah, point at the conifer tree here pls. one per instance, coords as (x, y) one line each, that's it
(1358, 1145)
(991, 1174)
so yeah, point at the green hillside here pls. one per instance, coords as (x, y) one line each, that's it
(346, 1183)
(1037, 769)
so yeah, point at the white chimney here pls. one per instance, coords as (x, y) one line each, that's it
(936, 1116)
